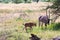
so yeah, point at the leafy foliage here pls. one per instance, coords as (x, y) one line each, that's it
(56, 5)
(55, 26)
(15, 1)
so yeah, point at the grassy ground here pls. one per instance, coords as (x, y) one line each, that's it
(11, 23)
(19, 34)
(22, 35)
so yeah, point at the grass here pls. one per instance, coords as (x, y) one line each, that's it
(17, 32)
(20, 34)
(48, 34)
(29, 11)
(18, 11)
(5, 11)
(52, 31)
(43, 34)
(54, 26)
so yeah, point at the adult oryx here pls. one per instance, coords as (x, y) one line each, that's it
(44, 19)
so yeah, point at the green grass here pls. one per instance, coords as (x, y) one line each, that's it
(52, 30)
(20, 34)
(54, 26)
(48, 34)
(43, 34)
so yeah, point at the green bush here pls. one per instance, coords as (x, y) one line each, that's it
(29, 1)
(15, 1)
(55, 26)
(18, 1)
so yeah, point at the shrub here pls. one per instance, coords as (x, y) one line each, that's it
(55, 26)
(17, 1)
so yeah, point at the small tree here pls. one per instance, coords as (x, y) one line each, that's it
(56, 8)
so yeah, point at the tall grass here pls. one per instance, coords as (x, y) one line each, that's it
(20, 34)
